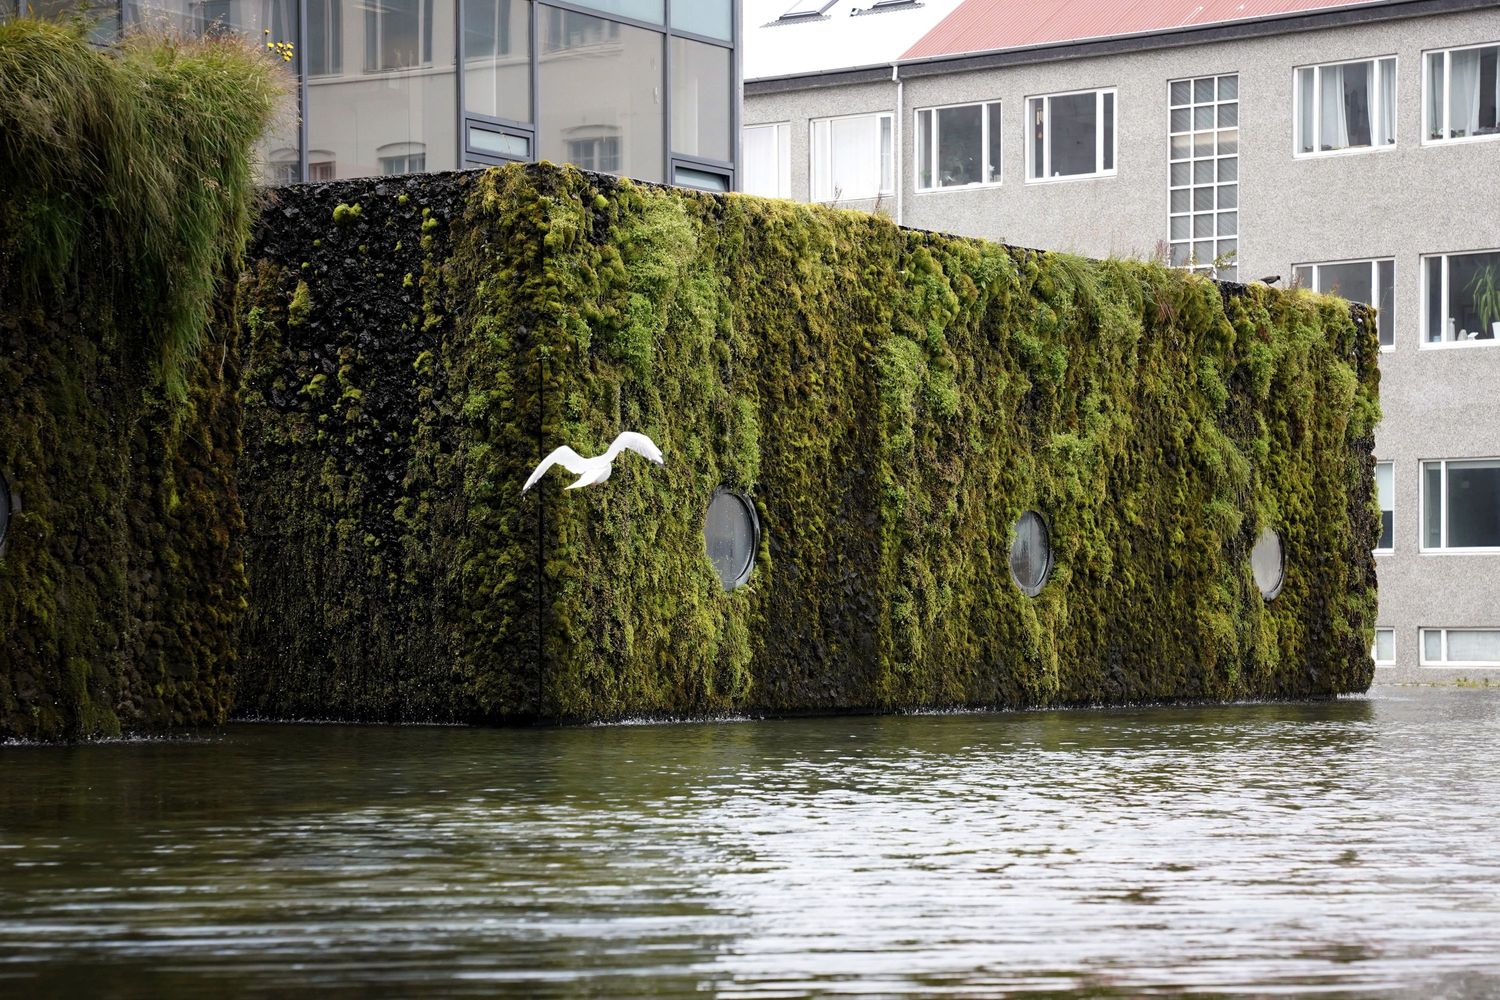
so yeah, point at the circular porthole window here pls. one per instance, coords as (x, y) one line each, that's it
(731, 532)
(1266, 563)
(1030, 553)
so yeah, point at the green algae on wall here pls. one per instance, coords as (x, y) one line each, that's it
(125, 193)
(890, 400)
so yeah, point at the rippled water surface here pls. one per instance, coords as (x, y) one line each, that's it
(1346, 848)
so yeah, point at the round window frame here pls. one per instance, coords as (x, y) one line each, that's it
(1272, 592)
(1033, 591)
(749, 506)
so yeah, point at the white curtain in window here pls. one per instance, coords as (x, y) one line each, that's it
(1473, 645)
(1435, 91)
(1463, 91)
(1387, 103)
(847, 158)
(1334, 128)
(760, 161)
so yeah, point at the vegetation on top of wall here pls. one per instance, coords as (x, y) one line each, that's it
(134, 162)
(890, 401)
(125, 192)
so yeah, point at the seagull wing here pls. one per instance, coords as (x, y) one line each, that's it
(638, 443)
(563, 456)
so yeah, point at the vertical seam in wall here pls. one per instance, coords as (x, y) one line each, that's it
(541, 532)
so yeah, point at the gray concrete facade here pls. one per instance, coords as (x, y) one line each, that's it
(1402, 202)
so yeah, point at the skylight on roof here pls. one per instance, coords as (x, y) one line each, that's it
(806, 8)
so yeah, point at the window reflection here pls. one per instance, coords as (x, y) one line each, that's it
(397, 113)
(600, 94)
(701, 96)
(497, 58)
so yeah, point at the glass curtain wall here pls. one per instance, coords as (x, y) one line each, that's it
(264, 22)
(645, 88)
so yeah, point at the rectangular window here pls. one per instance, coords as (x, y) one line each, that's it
(1461, 504)
(1462, 93)
(714, 18)
(404, 163)
(766, 160)
(599, 90)
(1203, 180)
(1461, 299)
(1372, 282)
(642, 10)
(1460, 647)
(1072, 135)
(1350, 105)
(497, 59)
(851, 158)
(1383, 652)
(398, 35)
(1385, 492)
(702, 99)
(703, 178)
(325, 37)
(958, 146)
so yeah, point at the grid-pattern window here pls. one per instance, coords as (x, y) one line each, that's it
(1372, 282)
(1383, 650)
(1460, 647)
(1203, 192)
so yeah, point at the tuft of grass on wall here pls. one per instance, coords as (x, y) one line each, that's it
(134, 163)
(125, 198)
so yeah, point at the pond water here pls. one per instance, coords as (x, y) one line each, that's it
(1345, 848)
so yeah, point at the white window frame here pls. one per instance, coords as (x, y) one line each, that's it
(1375, 107)
(884, 187)
(1375, 645)
(1443, 549)
(1445, 663)
(1392, 548)
(1375, 284)
(1427, 344)
(1447, 140)
(1230, 271)
(984, 141)
(783, 154)
(1046, 100)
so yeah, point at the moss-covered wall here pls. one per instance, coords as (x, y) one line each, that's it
(891, 400)
(124, 201)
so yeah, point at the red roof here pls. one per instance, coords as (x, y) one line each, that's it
(988, 25)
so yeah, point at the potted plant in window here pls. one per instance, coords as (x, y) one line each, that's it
(1485, 288)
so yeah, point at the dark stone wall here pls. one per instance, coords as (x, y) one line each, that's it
(891, 401)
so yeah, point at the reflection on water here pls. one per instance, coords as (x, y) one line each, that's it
(1348, 847)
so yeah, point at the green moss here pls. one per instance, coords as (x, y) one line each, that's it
(345, 214)
(140, 154)
(301, 305)
(122, 585)
(891, 401)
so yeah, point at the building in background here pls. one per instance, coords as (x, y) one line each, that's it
(1348, 148)
(646, 88)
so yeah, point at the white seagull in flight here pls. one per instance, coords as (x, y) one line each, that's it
(592, 471)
